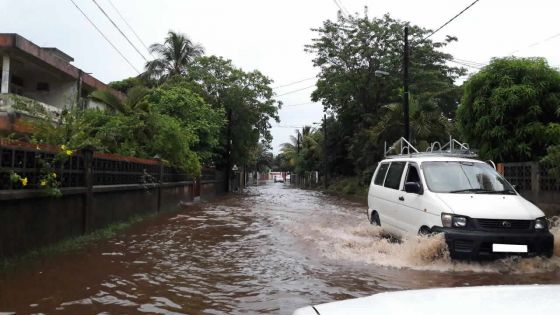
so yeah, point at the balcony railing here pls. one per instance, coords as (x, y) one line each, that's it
(19, 104)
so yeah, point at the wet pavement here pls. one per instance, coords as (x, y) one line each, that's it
(267, 251)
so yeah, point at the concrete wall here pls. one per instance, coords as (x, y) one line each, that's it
(29, 220)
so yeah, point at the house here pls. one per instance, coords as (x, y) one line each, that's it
(42, 75)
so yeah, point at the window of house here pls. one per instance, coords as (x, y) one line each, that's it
(43, 86)
(394, 175)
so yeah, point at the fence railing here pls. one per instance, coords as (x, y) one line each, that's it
(537, 182)
(531, 176)
(26, 159)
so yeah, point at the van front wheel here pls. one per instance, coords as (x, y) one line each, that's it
(375, 219)
(424, 231)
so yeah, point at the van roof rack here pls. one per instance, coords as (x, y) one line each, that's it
(453, 148)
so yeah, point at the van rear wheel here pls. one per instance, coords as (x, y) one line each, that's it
(374, 220)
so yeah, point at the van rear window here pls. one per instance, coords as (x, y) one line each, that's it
(394, 175)
(380, 176)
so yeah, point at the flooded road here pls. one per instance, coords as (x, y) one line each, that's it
(268, 251)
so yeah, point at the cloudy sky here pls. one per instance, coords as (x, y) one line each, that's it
(270, 35)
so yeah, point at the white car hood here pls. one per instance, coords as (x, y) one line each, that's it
(487, 300)
(489, 206)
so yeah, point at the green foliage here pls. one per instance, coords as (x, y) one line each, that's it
(552, 160)
(348, 52)
(172, 142)
(510, 109)
(348, 186)
(306, 154)
(176, 99)
(126, 84)
(174, 56)
(247, 100)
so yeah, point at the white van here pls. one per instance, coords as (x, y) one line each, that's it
(479, 212)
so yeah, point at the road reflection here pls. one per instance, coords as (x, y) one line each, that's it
(270, 250)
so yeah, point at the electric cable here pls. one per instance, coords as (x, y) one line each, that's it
(118, 28)
(105, 37)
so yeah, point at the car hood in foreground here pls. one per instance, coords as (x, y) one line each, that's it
(494, 300)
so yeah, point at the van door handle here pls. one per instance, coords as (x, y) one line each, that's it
(401, 198)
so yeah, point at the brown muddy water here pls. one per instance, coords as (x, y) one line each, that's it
(268, 251)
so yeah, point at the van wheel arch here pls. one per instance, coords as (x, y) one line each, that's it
(424, 230)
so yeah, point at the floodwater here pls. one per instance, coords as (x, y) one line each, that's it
(267, 251)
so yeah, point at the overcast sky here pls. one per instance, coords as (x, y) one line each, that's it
(270, 35)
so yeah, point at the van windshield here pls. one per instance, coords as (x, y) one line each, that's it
(464, 177)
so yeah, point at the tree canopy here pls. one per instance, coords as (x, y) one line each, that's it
(348, 52)
(174, 56)
(511, 109)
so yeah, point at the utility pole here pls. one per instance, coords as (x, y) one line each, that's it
(228, 149)
(326, 155)
(297, 155)
(405, 86)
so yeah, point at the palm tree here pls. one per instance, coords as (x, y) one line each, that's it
(174, 56)
(131, 104)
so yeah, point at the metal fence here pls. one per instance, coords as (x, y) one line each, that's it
(531, 176)
(27, 159)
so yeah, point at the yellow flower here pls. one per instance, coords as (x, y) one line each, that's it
(69, 152)
(54, 175)
(63, 147)
(43, 183)
(23, 181)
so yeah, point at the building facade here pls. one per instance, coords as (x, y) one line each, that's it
(41, 75)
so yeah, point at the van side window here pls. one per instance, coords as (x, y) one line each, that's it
(394, 175)
(380, 176)
(412, 175)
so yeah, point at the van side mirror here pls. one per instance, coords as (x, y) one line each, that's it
(413, 187)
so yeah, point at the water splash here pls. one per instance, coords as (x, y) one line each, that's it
(339, 241)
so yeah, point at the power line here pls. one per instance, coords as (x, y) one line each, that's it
(291, 127)
(292, 83)
(130, 27)
(294, 91)
(105, 37)
(453, 18)
(299, 104)
(466, 64)
(118, 28)
(536, 43)
(471, 62)
(339, 5)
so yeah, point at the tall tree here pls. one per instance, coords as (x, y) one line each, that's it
(174, 56)
(348, 53)
(510, 110)
(246, 98)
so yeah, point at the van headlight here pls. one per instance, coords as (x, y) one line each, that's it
(541, 224)
(450, 220)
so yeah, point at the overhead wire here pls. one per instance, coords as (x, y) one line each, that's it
(536, 43)
(129, 26)
(105, 37)
(294, 91)
(292, 83)
(119, 29)
(340, 7)
(450, 20)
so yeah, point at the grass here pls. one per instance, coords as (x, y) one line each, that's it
(72, 244)
(347, 186)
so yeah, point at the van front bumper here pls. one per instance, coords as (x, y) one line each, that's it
(477, 245)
